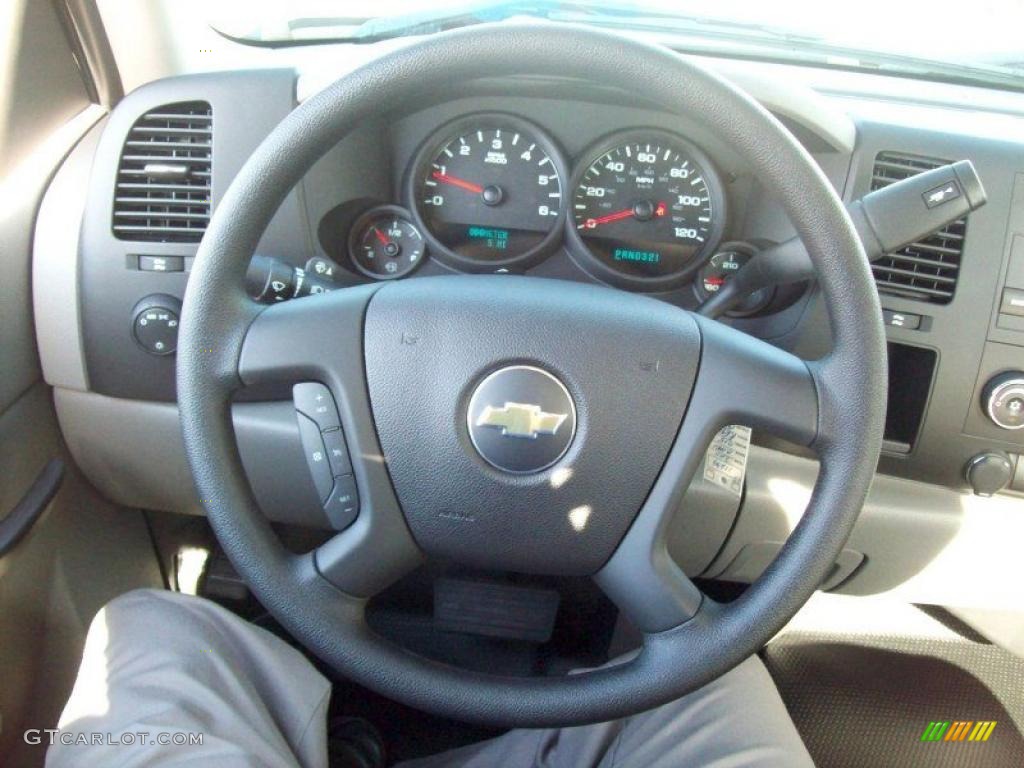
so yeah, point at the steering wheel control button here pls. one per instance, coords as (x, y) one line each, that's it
(315, 401)
(337, 452)
(521, 419)
(1003, 400)
(342, 506)
(316, 456)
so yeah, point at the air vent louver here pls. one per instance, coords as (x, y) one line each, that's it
(926, 270)
(163, 179)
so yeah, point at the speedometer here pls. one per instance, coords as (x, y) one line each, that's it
(646, 206)
(487, 191)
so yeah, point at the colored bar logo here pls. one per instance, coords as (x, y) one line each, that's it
(958, 730)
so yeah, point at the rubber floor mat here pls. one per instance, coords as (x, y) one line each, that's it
(866, 698)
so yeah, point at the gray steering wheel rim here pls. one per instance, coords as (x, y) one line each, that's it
(851, 381)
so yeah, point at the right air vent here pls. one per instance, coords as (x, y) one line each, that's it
(927, 269)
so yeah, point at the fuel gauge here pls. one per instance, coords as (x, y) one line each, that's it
(385, 244)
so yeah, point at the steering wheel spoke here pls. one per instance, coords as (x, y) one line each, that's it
(741, 380)
(315, 338)
(746, 381)
(320, 339)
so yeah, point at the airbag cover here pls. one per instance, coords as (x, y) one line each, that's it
(628, 363)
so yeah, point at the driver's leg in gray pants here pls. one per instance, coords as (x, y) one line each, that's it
(176, 668)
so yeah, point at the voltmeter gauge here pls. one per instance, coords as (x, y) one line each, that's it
(384, 243)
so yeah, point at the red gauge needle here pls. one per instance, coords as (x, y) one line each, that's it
(660, 210)
(455, 181)
(591, 223)
(380, 236)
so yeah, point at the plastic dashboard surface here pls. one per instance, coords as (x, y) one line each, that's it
(387, 162)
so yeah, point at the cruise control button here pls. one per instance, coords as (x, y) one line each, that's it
(337, 452)
(343, 505)
(316, 456)
(315, 400)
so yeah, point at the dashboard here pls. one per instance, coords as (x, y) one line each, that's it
(538, 176)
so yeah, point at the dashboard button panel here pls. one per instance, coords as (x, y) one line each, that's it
(323, 443)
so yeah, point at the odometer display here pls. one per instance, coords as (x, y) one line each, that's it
(489, 192)
(647, 207)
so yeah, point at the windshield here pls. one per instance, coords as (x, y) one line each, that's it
(977, 41)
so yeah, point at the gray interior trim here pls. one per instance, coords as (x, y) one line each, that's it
(789, 100)
(794, 102)
(55, 260)
(92, 48)
(132, 452)
(921, 543)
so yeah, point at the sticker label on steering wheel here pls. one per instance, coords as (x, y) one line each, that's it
(725, 464)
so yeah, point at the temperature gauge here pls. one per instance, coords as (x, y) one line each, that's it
(385, 244)
(729, 260)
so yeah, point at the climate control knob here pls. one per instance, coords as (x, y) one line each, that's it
(1003, 400)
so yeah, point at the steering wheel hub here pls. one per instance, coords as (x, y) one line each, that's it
(521, 419)
(560, 407)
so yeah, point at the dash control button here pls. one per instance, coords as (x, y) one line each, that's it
(315, 401)
(161, 264)
(1013, 302)
(156, 330)
(343, 505)
(906, 320)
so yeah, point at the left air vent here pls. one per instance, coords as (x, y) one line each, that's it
(163, 179)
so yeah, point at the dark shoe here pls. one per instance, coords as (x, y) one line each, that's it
(354, 743)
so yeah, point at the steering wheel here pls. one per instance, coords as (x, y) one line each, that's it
(640, 387)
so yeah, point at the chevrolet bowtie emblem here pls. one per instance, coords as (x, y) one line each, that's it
(521, 420)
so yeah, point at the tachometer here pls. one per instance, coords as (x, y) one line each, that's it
(646, 207)
(488, 192)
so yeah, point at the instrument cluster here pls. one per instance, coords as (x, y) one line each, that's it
(642, 209)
